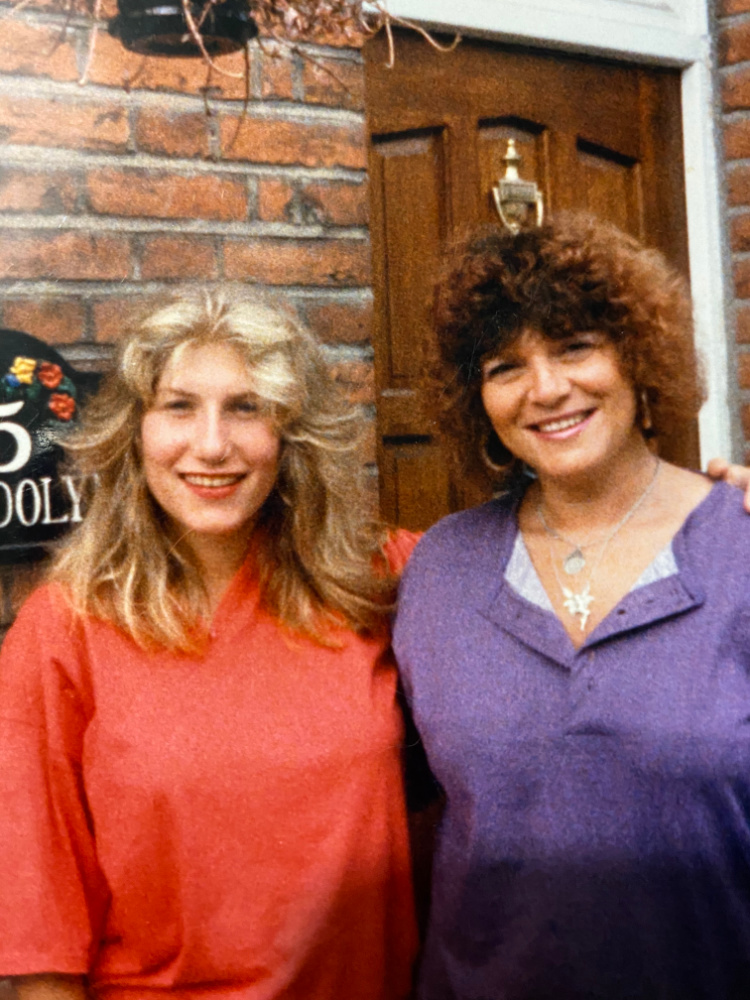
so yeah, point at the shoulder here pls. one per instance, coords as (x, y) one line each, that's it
(45, 645)
(45, 611)
(468, 535)
(460, 556)
(712, 547)
(721, 515)
(399, 546)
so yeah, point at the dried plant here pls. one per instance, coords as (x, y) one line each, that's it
(287, 22)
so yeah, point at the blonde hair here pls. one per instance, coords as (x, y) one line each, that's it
(318, 556)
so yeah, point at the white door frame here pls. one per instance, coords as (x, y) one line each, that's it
(664, 32)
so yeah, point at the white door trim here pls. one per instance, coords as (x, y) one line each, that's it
(666, 32)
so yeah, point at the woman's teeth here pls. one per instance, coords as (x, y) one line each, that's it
(551, 426)
(212, 480)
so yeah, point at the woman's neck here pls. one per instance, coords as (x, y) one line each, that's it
(599, 498)
(218, 560)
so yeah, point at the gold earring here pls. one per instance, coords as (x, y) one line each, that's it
(646, 421)
(495, 455)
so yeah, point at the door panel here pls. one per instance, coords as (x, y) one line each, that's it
(598, 136)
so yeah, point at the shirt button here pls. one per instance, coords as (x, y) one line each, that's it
(591, 684)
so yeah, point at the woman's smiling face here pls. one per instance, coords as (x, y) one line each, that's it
(564, 407)
(210, 455)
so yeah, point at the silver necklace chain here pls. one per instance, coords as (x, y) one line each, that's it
(579, 602)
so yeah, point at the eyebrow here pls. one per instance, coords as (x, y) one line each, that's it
(185, 393)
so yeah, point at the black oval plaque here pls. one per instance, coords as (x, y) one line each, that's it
(40, 396)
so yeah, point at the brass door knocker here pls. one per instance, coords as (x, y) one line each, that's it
(515, 197)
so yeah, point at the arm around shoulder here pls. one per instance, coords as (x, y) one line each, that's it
(48, 987)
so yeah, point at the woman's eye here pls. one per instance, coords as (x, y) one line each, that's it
(243, 406)
(497, 369)
(578, 346)
(178, 405)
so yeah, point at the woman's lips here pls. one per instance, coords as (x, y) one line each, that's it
(563, 427)
(212, 487)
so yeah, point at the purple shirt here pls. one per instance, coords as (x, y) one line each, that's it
(596, 837)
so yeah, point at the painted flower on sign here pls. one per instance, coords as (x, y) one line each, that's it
(23, 369)
(62, 405)
(49, 374)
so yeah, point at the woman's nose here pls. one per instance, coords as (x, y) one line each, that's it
(549, 382)
(211, 442)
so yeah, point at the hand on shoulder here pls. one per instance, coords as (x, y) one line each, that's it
(735, 475)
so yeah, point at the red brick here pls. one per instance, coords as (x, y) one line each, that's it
(74, 256)
(338, 323)
(115, 66)
(35, 50)
(172, 135)
(58, 321)
(727, 7)
(745, 416)
(269, 141)
(734, 44)
(743, 370)
(166, 196)
(288, 262)
(740, 232)
(334, 82)
(187, 256)
(735, 89)
(357, 379)
(738, 184)
(742, 279)
(110, 316)
(276, 75)
(737, 139)
(51, 193)
(75, 125)
(743, 326)
(336, 204)
(274, 200)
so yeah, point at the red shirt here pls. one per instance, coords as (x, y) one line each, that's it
(228, 826)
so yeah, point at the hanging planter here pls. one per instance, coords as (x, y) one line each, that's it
(178, 28)
(207, 28)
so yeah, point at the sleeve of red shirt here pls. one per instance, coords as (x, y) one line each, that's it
(52, 892)
(399, 547)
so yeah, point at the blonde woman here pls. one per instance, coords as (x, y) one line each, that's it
(199, 738)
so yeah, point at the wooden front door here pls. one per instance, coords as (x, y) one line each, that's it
(598, 136)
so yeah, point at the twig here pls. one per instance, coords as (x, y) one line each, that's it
(196, 36)
(413, 26)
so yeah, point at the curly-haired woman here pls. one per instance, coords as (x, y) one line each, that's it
(200, 768)
(576, 652)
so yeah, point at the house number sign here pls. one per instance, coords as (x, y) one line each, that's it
(40, 398)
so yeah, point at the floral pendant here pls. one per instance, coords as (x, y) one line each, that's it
(578, 604)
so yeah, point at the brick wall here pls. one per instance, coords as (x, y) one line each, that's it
(733, 21)
(150, 177)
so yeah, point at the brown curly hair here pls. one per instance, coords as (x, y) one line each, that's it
(568, 276)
